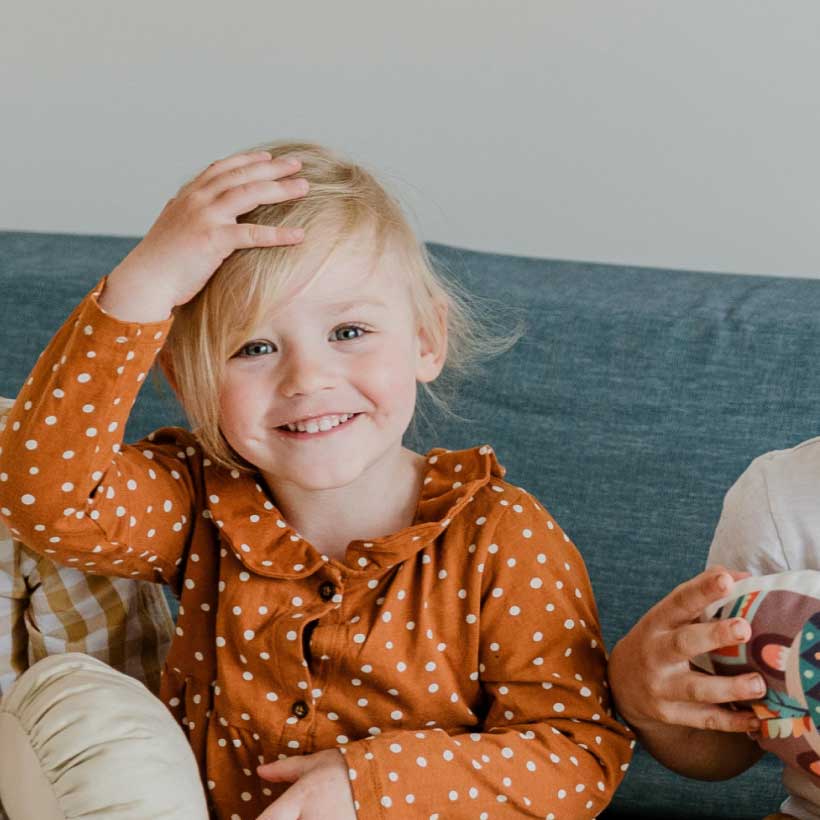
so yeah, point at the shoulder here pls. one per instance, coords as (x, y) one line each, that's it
(172, 435)
(520, 526)
(493, 499)
(779, 481)
(174, 444)
(771, 517)
(489, 507)
(795, 467)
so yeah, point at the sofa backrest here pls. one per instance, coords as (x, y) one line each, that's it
(633, 401)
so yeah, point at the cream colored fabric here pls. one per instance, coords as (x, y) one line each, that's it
(81, 740)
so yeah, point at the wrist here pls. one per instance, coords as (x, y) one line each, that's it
(642, 726)
(130, 296)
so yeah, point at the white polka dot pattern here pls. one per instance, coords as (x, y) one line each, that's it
(102, 486)
(459, 667)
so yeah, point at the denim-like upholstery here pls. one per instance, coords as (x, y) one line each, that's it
(633, 401)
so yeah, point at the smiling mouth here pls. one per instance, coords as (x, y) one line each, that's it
(319, 424)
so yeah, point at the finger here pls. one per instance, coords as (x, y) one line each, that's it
(251, 235)
(688, 600)
(282, 809)
(718, 718)
(687, 642)
(249, 195)
(265, 169)
(287, 806)
(220, 166)
(701, 688)
(288, 770)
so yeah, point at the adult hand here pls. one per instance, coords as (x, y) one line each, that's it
(649, 669)
(320, 789)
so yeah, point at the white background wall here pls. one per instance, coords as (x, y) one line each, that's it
(683, 133)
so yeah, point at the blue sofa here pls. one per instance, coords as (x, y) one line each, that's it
(631, 404)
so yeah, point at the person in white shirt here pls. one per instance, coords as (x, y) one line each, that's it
(770, 523)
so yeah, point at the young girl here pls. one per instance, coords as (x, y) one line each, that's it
(396, 635)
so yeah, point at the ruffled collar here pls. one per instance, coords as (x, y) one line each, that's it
(252, 526)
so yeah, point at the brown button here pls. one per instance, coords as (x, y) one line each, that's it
(300, 709)
(327, 591)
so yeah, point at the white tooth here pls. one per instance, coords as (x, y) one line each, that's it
(312, 427)
(292, 428)
(301, 427)
(325, 424)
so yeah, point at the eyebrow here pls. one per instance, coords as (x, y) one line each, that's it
(341, 307)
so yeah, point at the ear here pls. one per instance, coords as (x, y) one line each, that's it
(432, 347)
(164, 362)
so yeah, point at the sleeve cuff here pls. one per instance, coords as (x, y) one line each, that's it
(95, 320)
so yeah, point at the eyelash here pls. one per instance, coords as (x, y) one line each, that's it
(362, 332)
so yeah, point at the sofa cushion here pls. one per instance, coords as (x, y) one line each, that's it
(81, 740)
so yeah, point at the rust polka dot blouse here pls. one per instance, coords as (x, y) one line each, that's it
(457, 664)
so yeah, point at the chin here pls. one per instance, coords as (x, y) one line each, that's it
(327, 477)
(312, 476)
(319, 483)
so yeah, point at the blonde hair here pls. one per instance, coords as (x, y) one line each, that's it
(344, 200)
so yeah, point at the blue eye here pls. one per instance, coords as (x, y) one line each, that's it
(253, 349)
(347, 333)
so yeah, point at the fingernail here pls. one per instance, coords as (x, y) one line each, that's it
(754, 725)
(740, 630)
(723, 583)
(758, 687)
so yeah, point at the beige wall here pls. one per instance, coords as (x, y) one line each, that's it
(681, 134)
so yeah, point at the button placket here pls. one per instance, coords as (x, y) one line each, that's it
(302, 711)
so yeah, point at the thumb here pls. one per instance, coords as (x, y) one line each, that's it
(288, 770)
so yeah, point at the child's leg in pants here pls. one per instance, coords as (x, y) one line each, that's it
(79, 739)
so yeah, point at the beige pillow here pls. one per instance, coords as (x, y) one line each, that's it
(81, 740)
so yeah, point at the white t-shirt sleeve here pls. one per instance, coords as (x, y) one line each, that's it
(747, 538)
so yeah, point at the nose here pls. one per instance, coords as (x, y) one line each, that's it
(304, 372)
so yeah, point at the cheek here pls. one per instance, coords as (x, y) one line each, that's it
(236, 405)
(391, 380)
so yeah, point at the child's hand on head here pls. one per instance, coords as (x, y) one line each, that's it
(649, 669)
(320, 788)
(197, 230)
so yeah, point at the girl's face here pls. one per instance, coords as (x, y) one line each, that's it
(325, 388)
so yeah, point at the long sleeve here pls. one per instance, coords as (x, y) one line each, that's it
(69, 488)
(549, 745)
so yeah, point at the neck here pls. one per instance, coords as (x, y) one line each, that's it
(379, 502)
